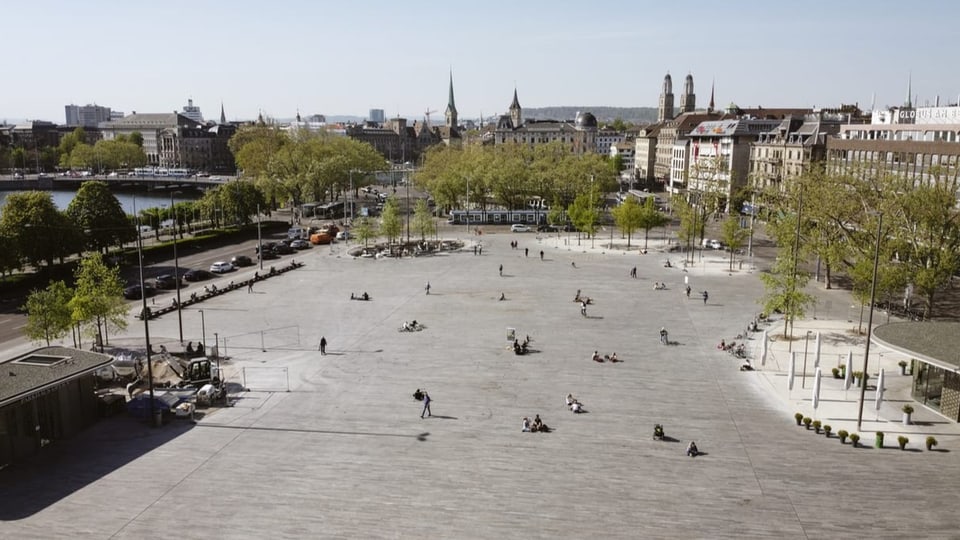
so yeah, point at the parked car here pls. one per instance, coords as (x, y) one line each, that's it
(268, 254)
(546, 227)
(300, 244)
(241, 260)
(166, 281)
(344, 235)
(713, 244)
(267, 246)
(221, 267)
(283, 249)
(133, 292)
(519, 227)
(197, 275)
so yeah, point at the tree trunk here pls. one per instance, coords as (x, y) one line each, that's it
(826, 276)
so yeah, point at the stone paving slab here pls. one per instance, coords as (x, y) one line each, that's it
(344, 453)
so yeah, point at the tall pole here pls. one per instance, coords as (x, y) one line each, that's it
(466, 207)
(259, 239)
(406, 182)
(146, 318)
(203, 332)
(873, 296)
(176, 268)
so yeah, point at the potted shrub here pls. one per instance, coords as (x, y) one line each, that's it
(931, 442)
(855, 439)
(807, 421)
(826, 430)
(816, 426)
(857, 376)
(907, 411)
(836, 372)
(879, 441)
(843, 370)
(799, 418)
(902, 441)
(843, 436)
(903, 367)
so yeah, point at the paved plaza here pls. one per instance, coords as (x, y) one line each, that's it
(334, 447)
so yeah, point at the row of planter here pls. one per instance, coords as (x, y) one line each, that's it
(843, 435)
(840, 372)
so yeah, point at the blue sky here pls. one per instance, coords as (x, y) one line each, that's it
(347, 57)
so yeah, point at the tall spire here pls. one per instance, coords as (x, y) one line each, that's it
(712, 105)
(909, 103)
(223, 115)
(451, 112)
(516, 117)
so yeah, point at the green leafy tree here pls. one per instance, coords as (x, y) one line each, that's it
(584, 214)
(98, 299)
(733, 235)
(650, 218)
(254, 146)
(423, 222)
(99, 217)
(390, 223)
(365, 229)
(137, 138)
(39, 232)
(48, 315)
(557, 217)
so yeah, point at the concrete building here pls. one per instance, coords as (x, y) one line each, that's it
(645, 155)
(395, 139)
(46, 395)
(87, 115)
(917, 142)
(192, 112)
(579, 135)
(173, 140)
(606, 138)
(626, 151)
(791, 148)
(376, 116)
(669, 134)
(719, 157)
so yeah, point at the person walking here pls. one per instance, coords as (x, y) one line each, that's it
(541, 254)
(705, 296)
(323, 345)
(474, 249)
(480, 250)
(250, 286)
(426, 405)
(583, 308)
(501, 270)
(526, 252)
(688, 291)
(633, 272)
(427, 287)
(663, 336)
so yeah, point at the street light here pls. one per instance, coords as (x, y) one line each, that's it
(803, 376)
(144, 315)
(176, 268)
(873, 295)
(203, 332)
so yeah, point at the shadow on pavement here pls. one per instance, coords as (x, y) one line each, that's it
(57, 471)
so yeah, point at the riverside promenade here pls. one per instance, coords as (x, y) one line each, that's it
(334, 447)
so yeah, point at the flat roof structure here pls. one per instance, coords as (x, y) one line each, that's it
(39, 370)
(936, 343)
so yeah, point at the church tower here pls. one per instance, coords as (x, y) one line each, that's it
(515, 117)
(688, 101)
(665, 111)
(451, 112)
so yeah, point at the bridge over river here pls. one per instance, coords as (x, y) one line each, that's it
(49, 182)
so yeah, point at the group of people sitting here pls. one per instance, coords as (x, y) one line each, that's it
(363, 296)
(198, 351)
(521, 347)
(657, 286)
(534, 426)
(574, 405)
(412, 326)
(208, 289)
(738, 350)
(605, 358)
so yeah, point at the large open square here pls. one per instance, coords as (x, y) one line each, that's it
(333, 446)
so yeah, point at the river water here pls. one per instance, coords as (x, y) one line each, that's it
(153, 199)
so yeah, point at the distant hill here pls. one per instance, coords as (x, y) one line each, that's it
(632, 115)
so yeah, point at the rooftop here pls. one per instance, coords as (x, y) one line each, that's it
(34, 371)
(936, 343)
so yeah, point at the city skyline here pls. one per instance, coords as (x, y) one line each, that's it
(339, 60)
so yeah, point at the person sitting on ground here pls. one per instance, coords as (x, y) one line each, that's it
(352, 297)
(418, 395)
(613, 358)
(517, 349)
(189, 346)
(173, 302)
(596, 357)
(163, 349)
(200, 349)
(722, 345)
(657, 431)
(570, 400)
(667, 264)
(365, 295)
(539, 426)
(526, 425)
(193, 297)
(415, 325)
(577, 297)
(692, 449)
(502, 297)
(576, 407)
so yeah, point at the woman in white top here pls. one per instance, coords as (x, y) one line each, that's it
(570, 400)
(576, 407)
(526, 424)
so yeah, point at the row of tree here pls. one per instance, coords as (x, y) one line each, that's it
(104, 155)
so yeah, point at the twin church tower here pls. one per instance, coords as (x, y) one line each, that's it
(688, 100)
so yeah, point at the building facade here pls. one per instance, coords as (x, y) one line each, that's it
(377, 116)
(87, 115)
(606, 138)
(790, 149)
(579, 135)
(192, 112)
(172, 140)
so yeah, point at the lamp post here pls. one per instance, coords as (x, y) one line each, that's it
(803, 376)
(466, 207)
(259, 239)
(203, 332)
(406, 183)
(873, 295)
(176, 268)
(145, 317)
